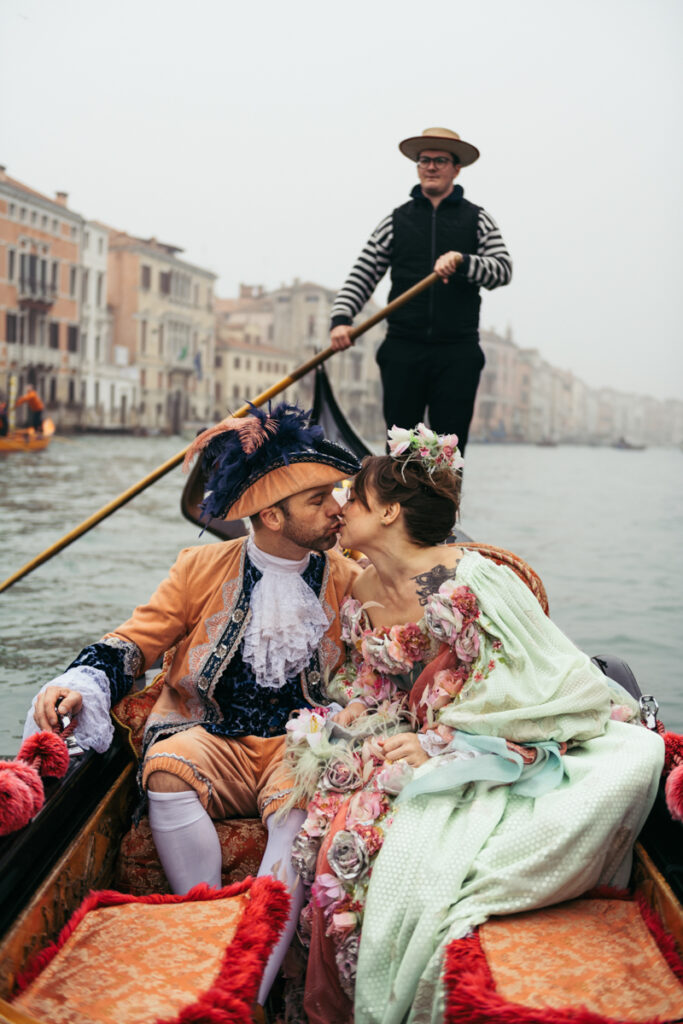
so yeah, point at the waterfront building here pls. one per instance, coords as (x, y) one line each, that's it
(39, 297)
(109, 381)
(246, 361)
(162, 309)
(301, 324)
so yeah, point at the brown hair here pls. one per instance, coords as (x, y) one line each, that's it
(430, 504)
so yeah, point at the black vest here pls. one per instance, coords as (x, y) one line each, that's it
(445, 312)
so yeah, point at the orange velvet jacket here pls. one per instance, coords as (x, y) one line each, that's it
(197, 618)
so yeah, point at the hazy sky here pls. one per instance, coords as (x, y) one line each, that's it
(262, 138)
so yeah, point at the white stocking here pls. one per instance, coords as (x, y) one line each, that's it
(186, 840)
(277, 862)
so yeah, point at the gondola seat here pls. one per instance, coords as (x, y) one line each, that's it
(243, 840)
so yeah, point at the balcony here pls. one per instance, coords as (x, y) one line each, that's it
(35, 294)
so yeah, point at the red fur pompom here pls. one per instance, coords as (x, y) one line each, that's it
(47, 752)
(21, 795)
(674, 793)
(673, 751)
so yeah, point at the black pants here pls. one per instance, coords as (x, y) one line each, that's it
(441, 378)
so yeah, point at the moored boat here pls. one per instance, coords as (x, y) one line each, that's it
(27, 439)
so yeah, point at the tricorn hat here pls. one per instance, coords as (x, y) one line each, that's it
(252, 462)
(440, 138)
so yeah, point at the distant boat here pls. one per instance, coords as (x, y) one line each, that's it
(625, 445)
(546, 442)
(27, 439)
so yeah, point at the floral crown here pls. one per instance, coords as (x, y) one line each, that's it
(434, 451)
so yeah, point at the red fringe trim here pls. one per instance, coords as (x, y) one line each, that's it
(230, 999)
(471, 996)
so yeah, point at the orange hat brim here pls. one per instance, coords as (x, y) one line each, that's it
(282, 483)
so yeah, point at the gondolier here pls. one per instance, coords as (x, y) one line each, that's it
(253, 629)
(431, 358)
(36, 407)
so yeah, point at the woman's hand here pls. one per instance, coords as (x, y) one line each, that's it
(45, 714)
(350, 713)
(404, 747)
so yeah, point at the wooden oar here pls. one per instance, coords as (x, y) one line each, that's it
(171, 463)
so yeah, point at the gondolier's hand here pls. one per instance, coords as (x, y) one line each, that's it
(404, 747)
(340, 337)
(447, 265)
(45, 713)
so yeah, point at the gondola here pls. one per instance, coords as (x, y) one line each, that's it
(74, 844)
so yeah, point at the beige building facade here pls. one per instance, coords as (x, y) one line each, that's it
(163, 316)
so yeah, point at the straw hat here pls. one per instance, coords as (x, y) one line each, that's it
(256, 461)
(440, 138)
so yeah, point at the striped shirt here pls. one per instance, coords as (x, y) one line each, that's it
(489, 267)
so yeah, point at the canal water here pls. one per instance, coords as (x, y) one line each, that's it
(602, 527)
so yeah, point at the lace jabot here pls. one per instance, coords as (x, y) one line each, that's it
(287, 620)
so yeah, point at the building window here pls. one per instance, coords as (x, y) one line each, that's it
(11, 260)
(73, 231)
(72, 392)
(72, 338)
(161, 339)
(165, 282)
(72, 282)
(145, 277)
(97, 348)
(22, 213)
(237, 362)
(11, 326)
(43, 222)
(218, 391)
(143, 337)
(86, 239)
(55, 276)
(12, 209)
(235, 391)
(100, 288)
(85, 281)
(247, 364)
(143, 380)
(100, 245)
(218, 361)
(53, 334)
(53, 391)
(160, 381)
(34, 216)
(55, 227)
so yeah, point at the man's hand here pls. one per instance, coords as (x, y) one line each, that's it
(45, 712)
(404, 747)
(350, 713)
(340, 337)
(447, 265)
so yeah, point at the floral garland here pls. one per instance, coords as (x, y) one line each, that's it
(434, 451)
(354, 780)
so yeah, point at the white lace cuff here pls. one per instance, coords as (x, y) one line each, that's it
(93, 726)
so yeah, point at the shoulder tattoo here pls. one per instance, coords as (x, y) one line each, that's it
(429, 582)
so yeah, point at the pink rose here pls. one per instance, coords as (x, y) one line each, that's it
(467, 644)
(343, 923)
(341, 775)
(450, 680)
(393, 777)
(364, 808)
(327, 890)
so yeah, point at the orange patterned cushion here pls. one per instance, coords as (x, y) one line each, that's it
(587, 961)
(139, 871)
(171, 959)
